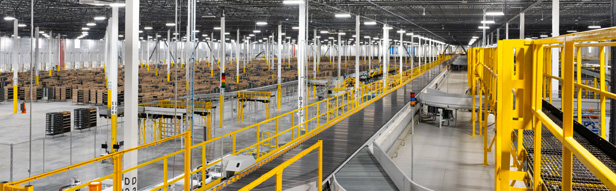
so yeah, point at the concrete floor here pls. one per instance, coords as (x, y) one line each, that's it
(53, 152)
(448, 158)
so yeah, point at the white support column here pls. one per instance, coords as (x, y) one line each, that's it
(113, 74)
(314, 58)
(15, 66)
(168, 55)
(400, 53)
(222, 68)
(301, 58)
(522, 25)
(279, 95)
(497, 35)
(507, 30)
(412, 53)
(385, 55)
(339, 55)
(555, 51)
(237, 57)
(357, 47)
(131, 91)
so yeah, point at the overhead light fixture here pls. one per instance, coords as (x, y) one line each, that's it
(140, 31)
(295, 28)
(208, 16)
(318, 36)
(572, 31)
(117, 4)
(84, 32)
(543, 36)
(8, 18)
(324, 32)
(367, 37)
(147, 28)
(409, 34)
(227, 33)
(121, 35)
(21, 25)
(256, 31)
(251, 35)
(288, 37)
(170, 24)
(99, 18)
(401, 31)
(495, 13)
(342, 33)
(196, 31)
(85, 29)
(261, 23)
(292, 2)
(482, 27)
(343, 15)
(376, 38)
(216, 28)
(283, 34)
(370, 23)
(594, 27)
(204, 35)
(488, 22)
(175, 33)
(91, 24)
(475, 37)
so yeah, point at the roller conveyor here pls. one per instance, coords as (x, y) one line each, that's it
(340, 141)
(551, 152)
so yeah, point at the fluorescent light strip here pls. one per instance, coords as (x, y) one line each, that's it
(343, 15)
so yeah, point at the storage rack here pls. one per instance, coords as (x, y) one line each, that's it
(85, 118)
(58, 122)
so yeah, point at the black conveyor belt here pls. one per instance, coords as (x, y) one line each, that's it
(340, 140)
(551, 151)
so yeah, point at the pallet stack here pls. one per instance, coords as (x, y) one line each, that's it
(85, 118)
(58, 123)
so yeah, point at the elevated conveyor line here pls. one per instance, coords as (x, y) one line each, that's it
(554, 152)
(341, 139)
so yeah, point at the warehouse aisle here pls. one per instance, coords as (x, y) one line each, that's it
(449, 158)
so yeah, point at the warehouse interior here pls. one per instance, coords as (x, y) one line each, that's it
(305, 95)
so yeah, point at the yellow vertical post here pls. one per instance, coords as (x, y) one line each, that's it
(480, 110)
(258, 137)
(117, 172)
(278, 97)
(537, 104)
(221, 110)
(320, 179)
(595, 85)
(15, 98)
(567, 100)
(579, 81)
(187, 156)
(603, 88)
(474, 94)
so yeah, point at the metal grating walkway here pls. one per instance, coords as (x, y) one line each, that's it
(340, 140)
(551, 152)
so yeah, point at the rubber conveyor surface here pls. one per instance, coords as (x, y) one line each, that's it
(340, 140)
(551, 159)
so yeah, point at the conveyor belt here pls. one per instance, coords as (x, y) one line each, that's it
(340, 140)
(551, 164)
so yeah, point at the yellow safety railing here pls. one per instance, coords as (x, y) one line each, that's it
(514, 78)
(256, 96)
(118, 169)
(279, 169)
(332, 109)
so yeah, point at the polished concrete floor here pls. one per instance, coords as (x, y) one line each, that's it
(448, 158)
(53, 152)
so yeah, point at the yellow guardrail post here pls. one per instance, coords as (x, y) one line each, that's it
(187, 161)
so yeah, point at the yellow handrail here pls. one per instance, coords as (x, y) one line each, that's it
(516, 76)
(337, 106)
(279, 169)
